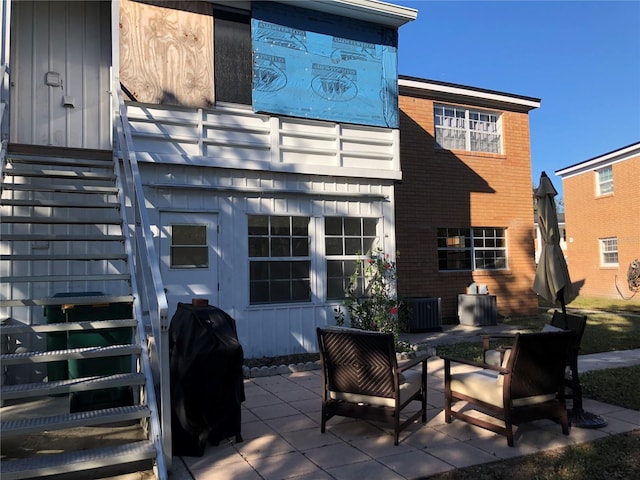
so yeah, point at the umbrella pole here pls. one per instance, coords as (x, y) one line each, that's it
(579, 418)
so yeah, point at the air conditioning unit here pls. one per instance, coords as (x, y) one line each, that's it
(424, 314)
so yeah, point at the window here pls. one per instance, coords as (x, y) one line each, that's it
(189, 246)
(232, 58)
(463, 129)
(347, 239)
(605, 180)
(609, 251)
(478, 248)
(279, 262)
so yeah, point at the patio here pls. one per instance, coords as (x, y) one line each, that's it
(282, 439)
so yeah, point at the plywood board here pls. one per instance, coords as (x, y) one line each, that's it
(166, 52)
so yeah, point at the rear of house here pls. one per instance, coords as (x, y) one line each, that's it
(464, 208)
(602, 213)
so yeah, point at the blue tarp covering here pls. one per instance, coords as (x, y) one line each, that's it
(314, 65)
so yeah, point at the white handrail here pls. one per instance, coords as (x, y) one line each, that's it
(147, 269)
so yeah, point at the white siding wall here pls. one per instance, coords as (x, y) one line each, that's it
(235, 194)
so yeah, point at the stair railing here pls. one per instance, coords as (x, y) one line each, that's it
(4, 121)
(146, 270)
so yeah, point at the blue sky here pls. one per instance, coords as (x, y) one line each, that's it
(582, 59)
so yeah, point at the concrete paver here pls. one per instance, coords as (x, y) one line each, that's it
(282, 439)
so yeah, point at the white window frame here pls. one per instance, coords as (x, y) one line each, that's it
(458, 128)
(270, 258)
(350, 255)
(608, 248)
(605, 186)
(458, 242)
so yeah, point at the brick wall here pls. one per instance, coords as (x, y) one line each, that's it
(590, 217)
(443, 188)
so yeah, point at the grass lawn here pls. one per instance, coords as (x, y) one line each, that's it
(613, 457)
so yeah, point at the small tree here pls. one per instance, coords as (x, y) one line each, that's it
(376, 306)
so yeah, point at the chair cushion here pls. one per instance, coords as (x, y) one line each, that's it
(412, 384)
(550, 328)
(485, 386)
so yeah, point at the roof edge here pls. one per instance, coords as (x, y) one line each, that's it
(423, 84)
(614, 156)
(374, 11)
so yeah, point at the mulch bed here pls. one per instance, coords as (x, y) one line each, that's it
(281, 360)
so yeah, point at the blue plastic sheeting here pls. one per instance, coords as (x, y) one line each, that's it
(314, 65)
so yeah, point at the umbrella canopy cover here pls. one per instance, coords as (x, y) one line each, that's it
(552, 281)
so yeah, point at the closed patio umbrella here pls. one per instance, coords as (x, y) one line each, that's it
(552, 282)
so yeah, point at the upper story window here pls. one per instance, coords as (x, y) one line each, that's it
(232, 57)
(609, 251)
(279, 259)
(346, 240)
(478, 248)
(605, 180)
(459, 128)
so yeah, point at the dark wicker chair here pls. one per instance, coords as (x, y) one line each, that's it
(362, 378)
(574, 323)
(528, 387)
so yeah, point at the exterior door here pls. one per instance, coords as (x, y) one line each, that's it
(60, 74)
(189, 257)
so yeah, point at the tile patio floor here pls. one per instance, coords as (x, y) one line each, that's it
(282, 439)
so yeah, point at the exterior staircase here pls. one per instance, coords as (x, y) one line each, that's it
(76, 398)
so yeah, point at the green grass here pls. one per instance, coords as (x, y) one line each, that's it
(613, 457)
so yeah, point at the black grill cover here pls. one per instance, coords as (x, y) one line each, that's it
(207, 386)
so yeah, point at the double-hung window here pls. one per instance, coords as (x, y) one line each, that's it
(279, 259)
(347, 239)
(477, 248)
(605, 180)
(609, 252)
(459, 128)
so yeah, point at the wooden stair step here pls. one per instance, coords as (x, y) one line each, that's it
(60, 387)
(13, 428)
(70, 462)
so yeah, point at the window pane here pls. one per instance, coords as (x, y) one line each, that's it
(195, 257)
(335, 268)
(280, 226)
(367, 245)
(188, 234)
(258, 225)
(259, 292)
(352, 227)
(333, 246)
(300, 290)
(333, 226)
(280, 247)
(300, 226)
(258, 247)
(300, 247)
(369, 226)
(352, 246)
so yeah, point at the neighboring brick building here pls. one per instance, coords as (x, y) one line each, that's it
(465, 216)
(602, 213)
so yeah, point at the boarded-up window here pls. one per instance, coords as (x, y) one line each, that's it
(166, 52)
(232, 57)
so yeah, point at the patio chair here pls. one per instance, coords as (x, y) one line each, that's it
(529, 386)
(575, 323)
(362, 378)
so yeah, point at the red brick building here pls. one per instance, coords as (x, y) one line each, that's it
(602, 214)
(464, 208)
